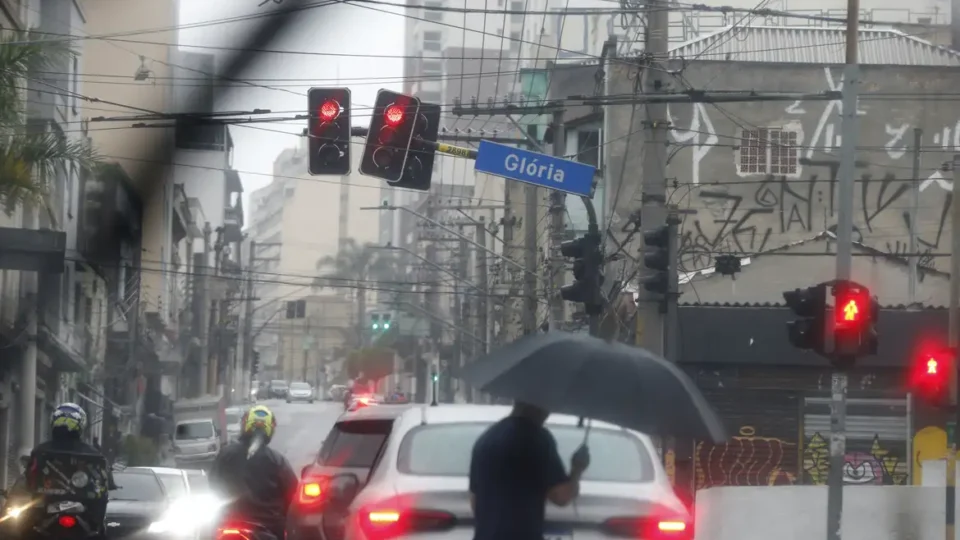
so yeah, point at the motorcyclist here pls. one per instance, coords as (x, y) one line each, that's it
(256, 480)
(67, 425)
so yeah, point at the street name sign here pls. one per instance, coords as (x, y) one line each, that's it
(535, 168)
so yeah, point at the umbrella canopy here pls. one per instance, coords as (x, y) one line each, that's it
(585, 376)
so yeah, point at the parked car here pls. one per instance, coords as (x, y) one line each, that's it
(300, 391)
(233, 417)
(140, 501)
(407, 466)
(277, 389)
(336, 392)
(195, 443)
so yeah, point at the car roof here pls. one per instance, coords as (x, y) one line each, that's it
(159, 470)
(447, 414)
(379, 412)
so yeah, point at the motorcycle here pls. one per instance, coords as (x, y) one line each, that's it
(66, 520)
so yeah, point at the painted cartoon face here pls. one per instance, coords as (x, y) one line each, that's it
(860, 468)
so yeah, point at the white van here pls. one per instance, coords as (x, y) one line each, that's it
(195, 443)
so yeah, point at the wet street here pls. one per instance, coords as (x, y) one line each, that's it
(301, 428)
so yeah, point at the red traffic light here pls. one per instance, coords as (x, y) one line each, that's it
(393, 115)
(329, 111)
(850, 310)
(933, 366)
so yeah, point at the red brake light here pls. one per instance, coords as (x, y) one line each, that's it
(649, 527)
(383, 524)
(393, 115)
(67, 522)
(233, 533)
(329, 111)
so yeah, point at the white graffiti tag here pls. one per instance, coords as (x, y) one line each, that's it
(701, 137)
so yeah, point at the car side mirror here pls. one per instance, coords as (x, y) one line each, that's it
(343, 488)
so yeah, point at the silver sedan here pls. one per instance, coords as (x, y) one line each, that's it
(300, 391)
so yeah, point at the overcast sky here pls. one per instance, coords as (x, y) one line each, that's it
(344, 42)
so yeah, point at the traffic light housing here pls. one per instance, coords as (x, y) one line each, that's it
(809, 305)
(656, 257)
(418, 167)
(587, 273)
(329, 131)
(255, 367)
(375, 322)
(385, 322)
(388, 140)
(930, 375)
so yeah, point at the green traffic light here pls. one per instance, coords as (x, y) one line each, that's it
(386, 326)
(436, 377)
(376, 326)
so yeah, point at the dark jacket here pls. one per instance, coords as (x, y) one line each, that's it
(261, 487)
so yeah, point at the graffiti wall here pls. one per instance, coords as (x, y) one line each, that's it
(747, 460)
(877, 464)
(756, 176)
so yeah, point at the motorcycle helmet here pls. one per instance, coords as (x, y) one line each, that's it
(69, 418)
(259, 419)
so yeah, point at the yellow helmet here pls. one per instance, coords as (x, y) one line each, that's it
(259, 418)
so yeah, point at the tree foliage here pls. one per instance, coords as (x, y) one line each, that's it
(374, 363)
(30, 158)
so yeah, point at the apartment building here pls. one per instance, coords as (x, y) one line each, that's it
(315, 334)
(298, 220)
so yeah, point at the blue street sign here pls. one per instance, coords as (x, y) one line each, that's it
(535, 168)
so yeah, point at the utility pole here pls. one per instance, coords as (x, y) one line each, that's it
(433, 303)
(216, 366)
(28, 368)
(483, 302)
(954, 336)
(463, 257)
(557, 210)
(307, 341)
(530, 221)
(205, 316)
(248, 314)
(914, 210)
(848, 156)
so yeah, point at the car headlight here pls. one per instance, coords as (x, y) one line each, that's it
(187, 514)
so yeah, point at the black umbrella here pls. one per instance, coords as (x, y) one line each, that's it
(585, 376)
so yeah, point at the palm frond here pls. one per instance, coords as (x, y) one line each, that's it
(29, 161)
(27, 55)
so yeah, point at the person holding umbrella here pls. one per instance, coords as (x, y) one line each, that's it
(514, 469)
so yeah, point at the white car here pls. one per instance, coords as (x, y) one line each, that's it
(300, 391)
(233, 417)
(422, 456)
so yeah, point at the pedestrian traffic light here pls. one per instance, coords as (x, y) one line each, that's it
(587, 273)
(329, 131)
(809, 305)
(418, 168)
(930, 375)
(375, 322)
(385, 322)
(855, 314)
(656, 257)
(388, 140)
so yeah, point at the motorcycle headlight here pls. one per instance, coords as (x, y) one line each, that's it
(14, 511)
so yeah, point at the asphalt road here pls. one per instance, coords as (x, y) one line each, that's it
(301, 428)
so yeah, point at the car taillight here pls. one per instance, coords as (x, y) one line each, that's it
(67, 522)
(383, 524)
(651, 528)
(312, 490)
(233, 533)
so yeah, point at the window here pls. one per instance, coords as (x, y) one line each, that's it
(431, 39)
(445, 449)
(194, 431)
(432, 67)
(514, 40)
(136, 487)
(768, 151)
(430, 11)
(173, 485)
(74, 84)
(517, 15)
(355, 444)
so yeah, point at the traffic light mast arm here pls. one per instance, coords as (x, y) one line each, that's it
(443, 148)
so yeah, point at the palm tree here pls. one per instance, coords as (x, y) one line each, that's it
(28, 160)
(356, 266)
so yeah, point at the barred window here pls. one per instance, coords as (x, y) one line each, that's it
(768, 151)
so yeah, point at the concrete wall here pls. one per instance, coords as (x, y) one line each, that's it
(800, 512)
(739, 211)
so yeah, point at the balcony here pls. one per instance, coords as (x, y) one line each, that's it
(233, 223)
(67, 345)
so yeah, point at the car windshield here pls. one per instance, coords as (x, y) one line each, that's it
(136, 487)
(173, 484)
(445, 450)
(194, 430)
(299, 386)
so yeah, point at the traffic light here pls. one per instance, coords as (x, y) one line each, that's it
(418, 168)
(388, 140)
(930, 375)
(659, 255)
(809, 305)
(436, 376)
(855, 315)
(587, 273)
(329, 131)
(255, 367)
(375, 322)
(385, 322)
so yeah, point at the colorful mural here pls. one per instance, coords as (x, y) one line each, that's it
(747, 460)
(929, 443)
(879, 465)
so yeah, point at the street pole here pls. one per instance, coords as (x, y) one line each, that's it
(248, 317)
(458, 290)
(204, 312)
(954, 336)
(557, 208)
(28, 369)
(530, 221)
(482, 303)
(433, 302)
(848, 156)
(213, 377)
(914, 210)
